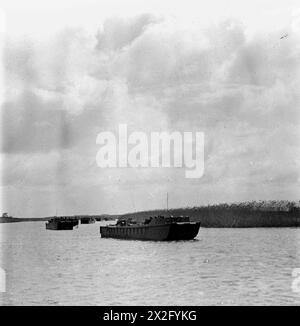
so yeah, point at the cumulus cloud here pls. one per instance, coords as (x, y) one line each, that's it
(155, 74)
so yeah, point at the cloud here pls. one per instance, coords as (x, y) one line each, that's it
(155, 74)
(32, 125)
(118, 32)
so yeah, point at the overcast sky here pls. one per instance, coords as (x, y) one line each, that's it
(75, 68)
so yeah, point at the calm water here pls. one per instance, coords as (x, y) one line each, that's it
(222, 266)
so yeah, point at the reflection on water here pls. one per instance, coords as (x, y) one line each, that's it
(222, 266)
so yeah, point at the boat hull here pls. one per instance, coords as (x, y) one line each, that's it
(163, 232)
(87, 221)
(60, 225)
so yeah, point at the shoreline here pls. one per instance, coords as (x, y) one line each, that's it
(247, 214)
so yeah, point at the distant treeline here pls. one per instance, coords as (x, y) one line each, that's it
(246, 214)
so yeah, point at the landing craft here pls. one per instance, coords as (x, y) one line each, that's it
(61, 223)
(157, 228)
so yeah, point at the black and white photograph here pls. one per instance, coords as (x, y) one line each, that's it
(150, 154)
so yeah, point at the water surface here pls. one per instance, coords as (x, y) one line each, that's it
(220, 267)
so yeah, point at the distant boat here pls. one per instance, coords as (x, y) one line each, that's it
(157, 228)
(61, 223)
(87, 220)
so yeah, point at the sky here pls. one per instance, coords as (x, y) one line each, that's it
(72, 69)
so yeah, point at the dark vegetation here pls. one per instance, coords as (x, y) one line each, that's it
(246, 214)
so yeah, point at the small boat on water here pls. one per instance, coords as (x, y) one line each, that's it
(87, 220)
(61, 223)
(158, 228)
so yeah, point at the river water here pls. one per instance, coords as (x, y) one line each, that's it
(220, 267)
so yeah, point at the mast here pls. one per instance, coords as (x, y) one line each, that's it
(167, 201)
